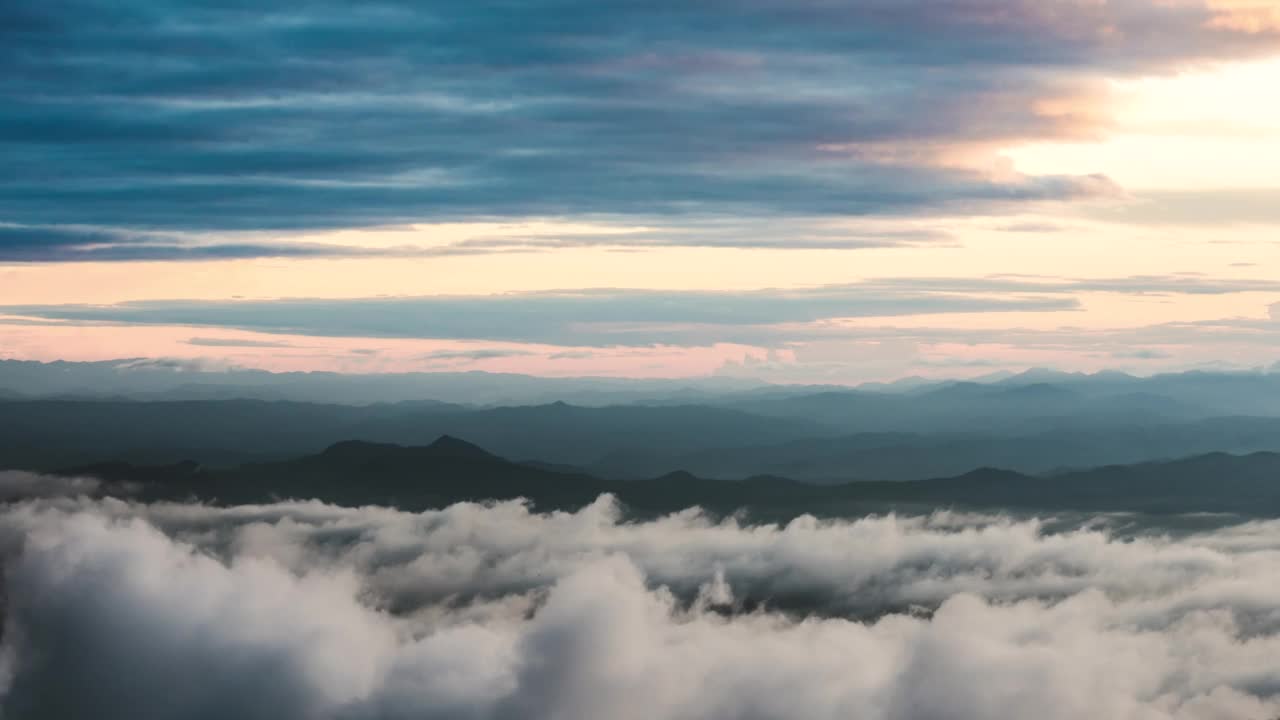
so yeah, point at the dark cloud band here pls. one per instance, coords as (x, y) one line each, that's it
(215, 116)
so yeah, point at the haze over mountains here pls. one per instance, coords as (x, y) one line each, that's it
(1207, 392)
(61, 414)
(152, 379)
(451, 470)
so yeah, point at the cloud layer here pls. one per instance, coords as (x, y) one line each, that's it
(180, 117)
(588, 317)
(306, 610)
(595, 317)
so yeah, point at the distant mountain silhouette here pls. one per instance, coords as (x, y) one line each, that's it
(980, 407)
(449, 446)
(1038, 422)
(446, 446)
(914, 456)
(42, 434)
(451, 470)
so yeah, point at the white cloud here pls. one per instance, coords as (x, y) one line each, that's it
(310, 610)
(17, 484)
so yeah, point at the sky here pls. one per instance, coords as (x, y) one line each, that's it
(786, 190)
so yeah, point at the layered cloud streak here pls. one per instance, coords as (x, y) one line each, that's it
(594, 317)
(176, 117)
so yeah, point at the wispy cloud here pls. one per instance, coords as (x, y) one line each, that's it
(588, 317)
(471, 355)
(1197, 208)
(237, 342)
(31, 244)
(631, 317)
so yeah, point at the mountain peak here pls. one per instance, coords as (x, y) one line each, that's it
(450, 446)
(682, 477)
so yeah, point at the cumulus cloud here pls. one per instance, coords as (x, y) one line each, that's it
(490, 611)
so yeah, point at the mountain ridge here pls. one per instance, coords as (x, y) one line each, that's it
(454, 470)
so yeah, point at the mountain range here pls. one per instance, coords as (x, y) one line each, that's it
(621, 441)
(656, 442)
(451, 470)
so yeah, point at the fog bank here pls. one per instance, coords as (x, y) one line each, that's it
(306, 610)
